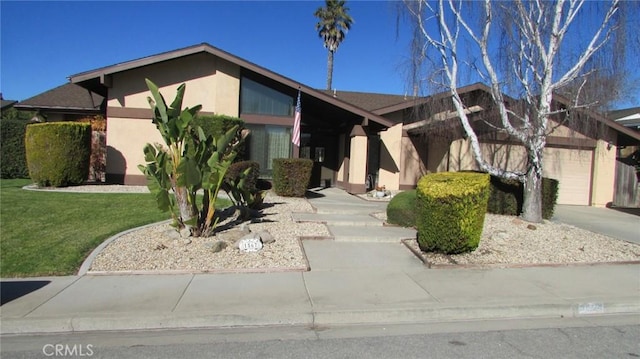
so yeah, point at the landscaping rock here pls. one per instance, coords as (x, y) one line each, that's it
(172, 233)
(500, 236)
(185, 233)
(233, 235)
(250, 243)
(252, 236)
(217, 246)
(266, 237)
(532, 227)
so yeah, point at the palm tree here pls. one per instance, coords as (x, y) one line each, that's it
(333, 24)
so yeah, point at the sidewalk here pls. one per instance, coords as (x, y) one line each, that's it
(368, 281)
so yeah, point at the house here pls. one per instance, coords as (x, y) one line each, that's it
(628, 117)
(357, 140)
(67, 102)
(6, 104)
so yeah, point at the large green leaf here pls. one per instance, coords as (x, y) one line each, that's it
(163, 198)
(160, 104)
(188, 173)
(223, 141)
(176, 105)
(149, 153)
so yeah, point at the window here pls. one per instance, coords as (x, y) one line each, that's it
(266, 143)
(259, 99)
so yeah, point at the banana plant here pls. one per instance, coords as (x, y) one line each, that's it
(189, 161)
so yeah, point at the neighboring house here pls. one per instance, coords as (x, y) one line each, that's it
(6, 104)
(628, 117)
(357, 140)
(627, 192)
(67, 102)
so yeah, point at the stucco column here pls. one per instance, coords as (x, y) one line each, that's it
(390, 157)
(604, 173)
(358, 161)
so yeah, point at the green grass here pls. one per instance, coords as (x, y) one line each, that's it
(51, 233)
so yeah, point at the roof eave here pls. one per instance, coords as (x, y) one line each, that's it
(104, 71)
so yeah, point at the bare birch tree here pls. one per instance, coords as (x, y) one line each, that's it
(542, 59)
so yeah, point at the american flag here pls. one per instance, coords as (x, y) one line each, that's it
(295, 139)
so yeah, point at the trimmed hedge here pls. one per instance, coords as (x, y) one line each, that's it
(507, 197)
(291, 176)
(451, 209)
(14, 160)
(401, 210)
(58, 153)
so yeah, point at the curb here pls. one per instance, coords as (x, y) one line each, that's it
(193, 320)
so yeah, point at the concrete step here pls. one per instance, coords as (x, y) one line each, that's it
(361, 220)
(368, 234)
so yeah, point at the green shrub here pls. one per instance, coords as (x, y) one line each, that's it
(218, 125)
(14, 161)
(241, 183)
(58, 153)
(549, 196)
(291, 176)
(451, 209)
(402, 209)
(507, 197)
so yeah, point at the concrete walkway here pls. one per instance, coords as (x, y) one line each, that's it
(366, 276)
(607, 221)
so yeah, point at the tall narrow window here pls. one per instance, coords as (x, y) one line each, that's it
(267, 143)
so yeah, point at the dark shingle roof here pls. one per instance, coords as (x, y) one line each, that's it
(7, 103)
(68, 97)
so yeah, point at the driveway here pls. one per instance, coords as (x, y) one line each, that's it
(607, 221)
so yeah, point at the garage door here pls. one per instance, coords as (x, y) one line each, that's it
(572, 168)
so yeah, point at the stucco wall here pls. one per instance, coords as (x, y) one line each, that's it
(390, 157)
(358, 160)
(604, 172)
(210, 82)
(414, 151)
(126, 138)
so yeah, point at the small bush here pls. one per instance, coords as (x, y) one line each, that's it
(507, 197)
(241, 182)
(291, 176)
(549, 196)
(402, 209)
(451, 209)
(13, 157)
(58, 153)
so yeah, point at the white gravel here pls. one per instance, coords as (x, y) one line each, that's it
(507, 241)
(155, 248)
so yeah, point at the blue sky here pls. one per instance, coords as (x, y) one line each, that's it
(42, 43)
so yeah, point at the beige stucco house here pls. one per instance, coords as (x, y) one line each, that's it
(357, 140)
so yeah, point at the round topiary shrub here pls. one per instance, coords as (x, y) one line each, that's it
(291, 176)
(451, 209)
(401, 210)
(58, 153)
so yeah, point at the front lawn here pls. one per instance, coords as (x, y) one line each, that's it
(51, 233)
